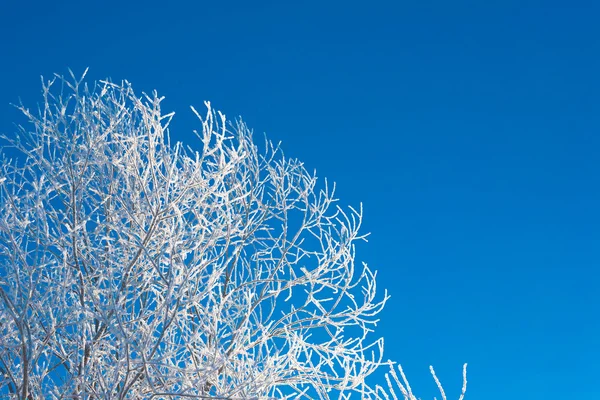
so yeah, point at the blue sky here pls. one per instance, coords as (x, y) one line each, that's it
(469, 130)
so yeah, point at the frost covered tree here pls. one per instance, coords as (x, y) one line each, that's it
(133, 267)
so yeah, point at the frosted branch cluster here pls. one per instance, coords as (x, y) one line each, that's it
(133, 267)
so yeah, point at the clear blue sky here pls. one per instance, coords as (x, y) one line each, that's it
(469, 130)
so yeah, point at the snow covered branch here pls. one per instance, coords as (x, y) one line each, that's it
(133, 267)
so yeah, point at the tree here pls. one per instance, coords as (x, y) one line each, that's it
(132, 267)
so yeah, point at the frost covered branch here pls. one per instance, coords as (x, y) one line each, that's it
(392, 381)
(133, 267)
